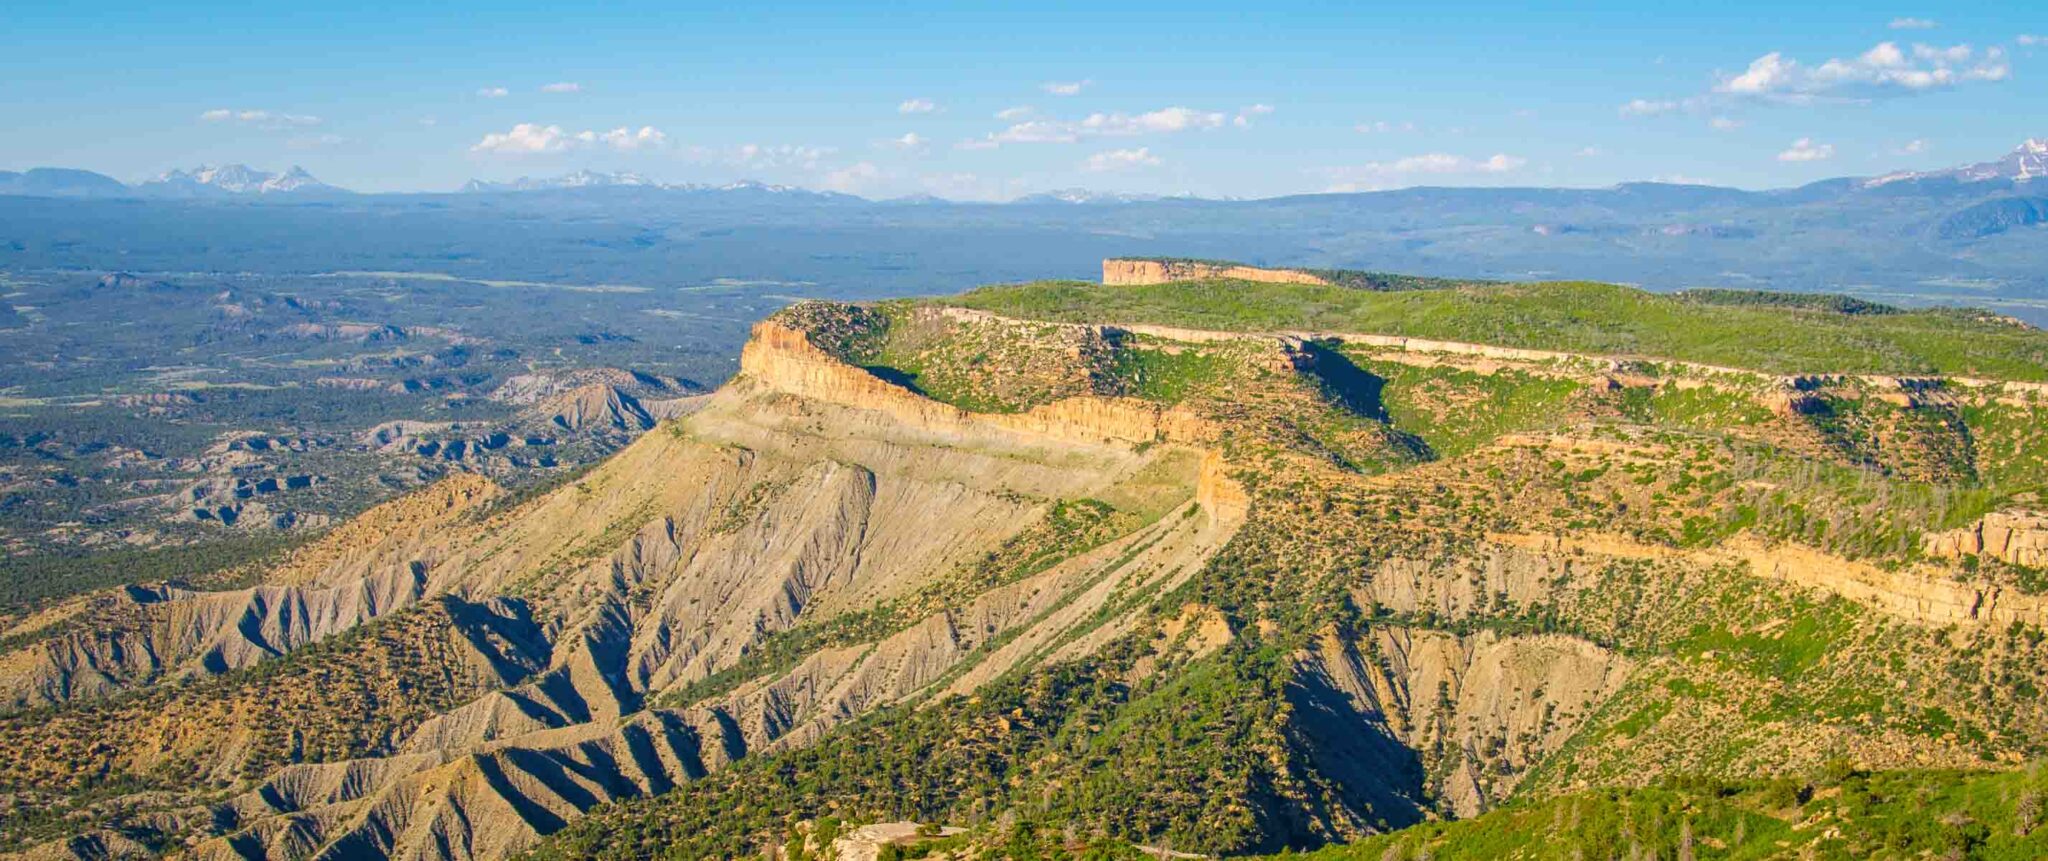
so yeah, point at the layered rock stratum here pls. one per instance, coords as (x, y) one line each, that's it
(1220, 590)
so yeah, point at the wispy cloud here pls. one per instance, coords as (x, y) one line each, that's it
(1244, 117)
(2030, 40)
(1163, 120)
(1380, 127)
(1120, 159)
(493, 92)
(319, 141)
(1884, 70)
(1724, 124)
(1116, 124)
(1066, 88)
(266, 120)
(1804, 149)
(1590, 152)
(1912, 24)
(562, 87)
(1379, 175)
(853, 178)
(537, 139)
(917, 106)
(909, 142)
(1649, 107)
(1013, 114)
(1915, 146)
(772, 156)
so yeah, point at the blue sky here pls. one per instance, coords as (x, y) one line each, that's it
(992, 101)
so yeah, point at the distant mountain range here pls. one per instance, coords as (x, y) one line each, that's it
(1975, 234)
(2023, 165)
(590, 179)
(235, 179)
(227, 180)
(2027, 162)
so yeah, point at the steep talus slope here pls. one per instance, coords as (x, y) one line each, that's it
(1511, 572)
(904, 541)
(1061, 583)
(365, 569)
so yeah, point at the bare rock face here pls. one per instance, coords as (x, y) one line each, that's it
(2016, 537)
(1140, 272)
(1436, 714)
(595, 407)
(367, 568)
(657, 592)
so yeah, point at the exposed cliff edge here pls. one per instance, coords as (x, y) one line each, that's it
(1134, 272)
(1399, 580)
(2017, 537)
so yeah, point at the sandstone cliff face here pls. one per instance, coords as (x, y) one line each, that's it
(1139, 272)
(808, 488)
(2014, 537)
(811, 492)
(784, 359)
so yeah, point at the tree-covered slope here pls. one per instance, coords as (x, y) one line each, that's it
(1580, 317)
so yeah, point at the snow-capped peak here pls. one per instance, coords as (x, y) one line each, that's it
(2026, 162)
(236, 179)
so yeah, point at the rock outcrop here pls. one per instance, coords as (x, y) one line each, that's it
(1134, 272)
(2017, 537)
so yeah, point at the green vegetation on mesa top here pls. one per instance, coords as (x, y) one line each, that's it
(1840, 814)
(1355, 279)
(1576, 316)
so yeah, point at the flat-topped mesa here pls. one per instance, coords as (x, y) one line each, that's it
(1117, 272)
(783, 358)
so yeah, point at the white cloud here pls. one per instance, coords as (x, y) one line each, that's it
(537, 139)
(1244, 117)
(909, 142)
(2030, 40)
(1121, 159)
(1163, 120)
(1885, 69)
(1030, 131)
(853, 177)
(1378, 175)
(1591, 152)
(1384, 127)
(494, 92)
(917, 106)
(266, 120)
(525, 139)
(625, 139)
(1912, 24)
(1013, 114)
(1648, 107)
(1681, 179)
(1066, 88)
(1724, 124)
(769, 156)
(1118, 124)
(562, 87)
(1912, 147)
(1804, 149)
